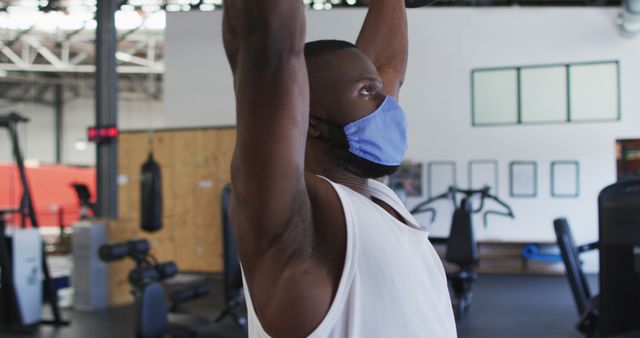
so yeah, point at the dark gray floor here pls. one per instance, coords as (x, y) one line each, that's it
(503, 306)
(521, 307)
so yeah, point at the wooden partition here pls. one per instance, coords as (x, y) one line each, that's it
(195, 165)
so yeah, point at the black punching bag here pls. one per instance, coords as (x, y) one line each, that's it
(151, 196)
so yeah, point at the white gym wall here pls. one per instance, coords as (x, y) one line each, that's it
(37, 137)
(446, 44)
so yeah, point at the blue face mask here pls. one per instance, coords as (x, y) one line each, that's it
(380, 137)
(372, 146)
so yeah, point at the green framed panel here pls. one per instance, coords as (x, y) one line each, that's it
(551, 113)
(565, 179)
(484, 173)
(543, 93)
(442, 172)
(495, 95)
(595, 92)
(523, 179)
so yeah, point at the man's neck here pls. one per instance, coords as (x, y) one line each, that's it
(321, 164)
(357, 184)
(337, 175)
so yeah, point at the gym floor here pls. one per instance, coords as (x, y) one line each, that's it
(503, 306)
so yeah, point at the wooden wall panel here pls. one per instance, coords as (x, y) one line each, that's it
(195, 167)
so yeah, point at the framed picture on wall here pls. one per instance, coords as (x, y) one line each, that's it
(441, 175)
(565, 179)
(408, 179)
(484, 173)
(523, 179)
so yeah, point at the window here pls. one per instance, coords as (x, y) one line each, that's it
(546, 94)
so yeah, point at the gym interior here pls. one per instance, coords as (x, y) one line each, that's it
(118, 126)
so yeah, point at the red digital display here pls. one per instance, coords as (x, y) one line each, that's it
(102, 134)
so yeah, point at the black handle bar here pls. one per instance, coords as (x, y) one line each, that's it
(450, 194)
(420, 207)
(507, 213)
(12, 118)
(419, 3)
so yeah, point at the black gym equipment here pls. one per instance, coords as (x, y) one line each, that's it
(136, 249)
(235, 306)
(151, 196)
(619, 231)
(87, 208)
(152, 314)
(586, 303)
(462, 248)
(10, 317)
(614, 312)
(419, 3)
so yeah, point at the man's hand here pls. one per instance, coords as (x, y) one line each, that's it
(384, 40)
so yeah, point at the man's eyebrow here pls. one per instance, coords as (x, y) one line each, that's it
(370, 78)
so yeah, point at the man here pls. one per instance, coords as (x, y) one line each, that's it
(326, 250)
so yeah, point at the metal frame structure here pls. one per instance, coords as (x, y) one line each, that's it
(26, 211)
(51, 53)
(177, 5)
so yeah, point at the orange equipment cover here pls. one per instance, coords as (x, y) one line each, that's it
(53, 196)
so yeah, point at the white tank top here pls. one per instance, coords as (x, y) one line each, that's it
(393, 283)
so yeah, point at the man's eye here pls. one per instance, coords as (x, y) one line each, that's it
(366, 90)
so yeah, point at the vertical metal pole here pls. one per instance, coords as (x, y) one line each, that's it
(106, 108)
(59, 125)
(26, 202)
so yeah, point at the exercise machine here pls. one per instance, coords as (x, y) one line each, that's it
(235, 306)
(20, 289)
(615, 311)
(619, 229)
(462, 247)
(152, 314)
(587, 304)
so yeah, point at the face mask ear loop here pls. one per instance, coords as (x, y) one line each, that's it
(338, 128)
(328, 122)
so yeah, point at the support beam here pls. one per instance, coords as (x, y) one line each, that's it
(58, 106)
(106, 109)
(47, 68)
(4, 49)
(46, 53)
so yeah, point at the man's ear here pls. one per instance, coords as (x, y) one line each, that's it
(314, 128)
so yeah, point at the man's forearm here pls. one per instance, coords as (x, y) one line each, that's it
(384, 38)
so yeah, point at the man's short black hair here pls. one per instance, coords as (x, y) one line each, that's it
(319, 48)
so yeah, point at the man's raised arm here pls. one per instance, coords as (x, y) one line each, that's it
(264, 41)
(384, 40)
